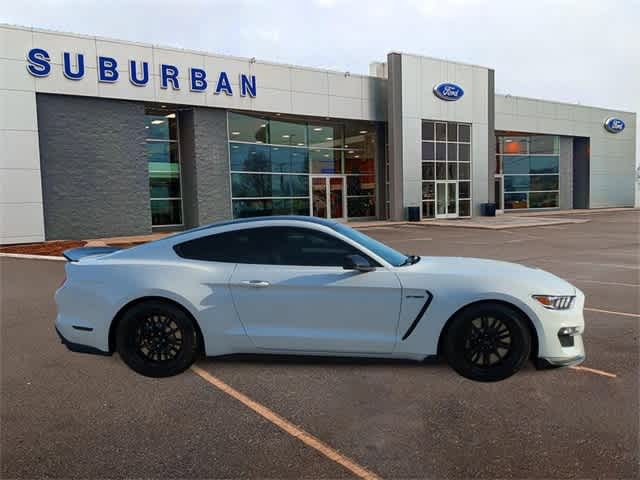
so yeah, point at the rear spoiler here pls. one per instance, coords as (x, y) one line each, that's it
(75, 254)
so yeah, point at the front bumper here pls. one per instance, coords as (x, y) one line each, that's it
(78, 347)
(562, 362)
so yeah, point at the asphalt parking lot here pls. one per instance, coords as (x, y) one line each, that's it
(72, 415)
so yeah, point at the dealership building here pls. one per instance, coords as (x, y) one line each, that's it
(102, 137)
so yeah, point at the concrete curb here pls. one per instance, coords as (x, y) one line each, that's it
(25, 256)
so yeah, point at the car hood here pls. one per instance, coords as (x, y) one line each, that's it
(491, 274)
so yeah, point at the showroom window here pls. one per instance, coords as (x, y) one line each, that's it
(529, 168)
(163, 159)
(446, 169)
(282, 166)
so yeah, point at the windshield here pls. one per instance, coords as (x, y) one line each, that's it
(392, 256)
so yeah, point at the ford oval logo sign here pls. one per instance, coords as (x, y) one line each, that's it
(614, 125)
(448, 91)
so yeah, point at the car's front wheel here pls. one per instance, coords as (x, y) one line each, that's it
(157, 339)
(487, 342)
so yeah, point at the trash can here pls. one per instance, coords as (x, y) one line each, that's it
(413, 213)
(488, 209)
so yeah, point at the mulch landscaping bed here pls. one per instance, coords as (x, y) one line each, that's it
(53, 248)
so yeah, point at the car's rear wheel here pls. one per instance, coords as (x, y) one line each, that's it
(157, 339)
(487, 342)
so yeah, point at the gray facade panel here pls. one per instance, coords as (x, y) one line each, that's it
(95, 179)
(566, 173)
(211, 163)
(394, 116)
(491, 110)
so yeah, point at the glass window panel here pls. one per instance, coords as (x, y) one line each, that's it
(268, 206)
(544, 182)
(441, 151)
(325, 161)
(268, 185)
(543, 200)
(515, 200)
(452, 171)
(428, 151)
(514, 145)
(161, 152)
(428, 190)
(464, 171)
(464, 189)
(166, 212)
(428, 209)
(361, 206)
(164, 170)
(361, 184)
(515, 164)
(544, 164)
(464, 152)
(357, 162)
(289, 160)
(428, 170)
(544, 144)
(164, 187)
(250, 158)
(452, 152)
(464, 208)
(247, 128)
(427, 131)
(441, 171)
(516, 183)
(441, 131)
(288, 133)
(452, 132)
(161, 126)
(464, 133)
(359, 136)
(325, 136)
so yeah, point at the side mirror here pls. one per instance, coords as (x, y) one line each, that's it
(357, 262)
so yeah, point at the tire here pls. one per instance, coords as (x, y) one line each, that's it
(487, 342)
(157, 339)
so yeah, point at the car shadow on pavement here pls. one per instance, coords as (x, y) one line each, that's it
(275, 359)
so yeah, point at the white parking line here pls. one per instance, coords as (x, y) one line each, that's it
(410, 239)
(287, 426)
(593, 370)
(599, 282)
(624, 314)
(32, 257)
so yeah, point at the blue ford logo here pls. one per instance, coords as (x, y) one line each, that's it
(614, 125)
(448, 91)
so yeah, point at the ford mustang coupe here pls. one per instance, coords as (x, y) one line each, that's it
(307, 286)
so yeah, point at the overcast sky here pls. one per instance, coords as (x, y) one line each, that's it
(585, 51)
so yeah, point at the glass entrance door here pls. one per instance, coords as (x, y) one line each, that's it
(328, 197)
(447, 199)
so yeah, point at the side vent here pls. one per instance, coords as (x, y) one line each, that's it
(414, 324)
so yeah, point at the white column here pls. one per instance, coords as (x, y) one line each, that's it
(21, 216)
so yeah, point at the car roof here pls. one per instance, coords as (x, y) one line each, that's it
(249, 220)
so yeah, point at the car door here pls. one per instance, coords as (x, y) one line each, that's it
(300, 298)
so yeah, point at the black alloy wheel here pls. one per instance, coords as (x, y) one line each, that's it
(487, 342)
(157, 339)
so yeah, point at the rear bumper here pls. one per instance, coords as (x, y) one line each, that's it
(79, 348)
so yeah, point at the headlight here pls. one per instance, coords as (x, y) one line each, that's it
(554, 302)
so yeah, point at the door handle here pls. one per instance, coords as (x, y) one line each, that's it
(255, 283)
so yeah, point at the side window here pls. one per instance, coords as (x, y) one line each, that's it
(270, 246)
(306, 247)
(232, 247)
